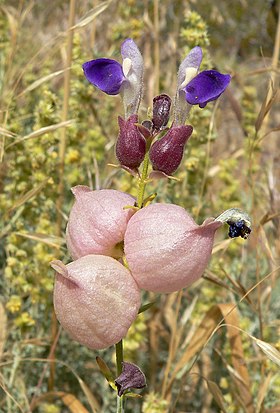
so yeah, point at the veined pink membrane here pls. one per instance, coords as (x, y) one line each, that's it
(165, 249)
(97, 222)
(96, 300)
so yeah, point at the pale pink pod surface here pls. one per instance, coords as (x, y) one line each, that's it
(165, 249)
(96, 300)
(97, 222)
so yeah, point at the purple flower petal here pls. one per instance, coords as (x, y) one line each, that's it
(106, 74)
(205, 87)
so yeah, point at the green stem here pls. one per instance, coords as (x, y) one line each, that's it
(119, 359)
(119, 356)
(143, 181)
(120, 406)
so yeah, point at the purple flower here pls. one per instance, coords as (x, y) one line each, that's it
(112, 78)
(205, 87)
(106, 74)
(194, 88)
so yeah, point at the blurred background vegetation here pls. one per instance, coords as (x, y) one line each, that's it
(199, 348)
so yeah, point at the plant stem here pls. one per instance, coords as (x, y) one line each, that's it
(142, 182)
(119, 356)
(61, 155)
(119, 359)
(120, 406)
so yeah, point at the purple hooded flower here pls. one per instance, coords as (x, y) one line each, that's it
(194, 88)
(106, 74)
(205, 87)
(112, 78)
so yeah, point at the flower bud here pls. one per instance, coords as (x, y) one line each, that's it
(131, 377)
(97, 222)
(131, 144)
(165, 249)
(166, 154)
(161, 110)
(95, 299)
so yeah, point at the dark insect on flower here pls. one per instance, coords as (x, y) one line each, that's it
(238, 229)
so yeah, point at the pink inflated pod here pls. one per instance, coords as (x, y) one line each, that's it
(95, 299)
(165, 249)
(97, 222)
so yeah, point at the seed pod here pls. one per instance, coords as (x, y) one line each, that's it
(95, 299)
(131, 144)
(166, 154)
(97, 222)
(165, 249)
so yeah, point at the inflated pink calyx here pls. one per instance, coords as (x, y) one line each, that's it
(97, 222)
(96, 300)
(165, 249)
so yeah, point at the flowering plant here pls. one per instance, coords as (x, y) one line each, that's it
(122, 244)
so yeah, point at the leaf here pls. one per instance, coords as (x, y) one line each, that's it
(269, 350)
(213, 318)
(94, 404)
(42, 80)
(42, 131)
(50, 240)
(265, 108)
(262, 391)
(74, 405)
(145, 307)
(28, 195)
(6, 132)
(217, 394)
(91, 15)
(106, 372)
(3, 328)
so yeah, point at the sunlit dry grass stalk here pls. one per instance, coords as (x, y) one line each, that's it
(156, 47)
(273, 86)
(61, 157)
